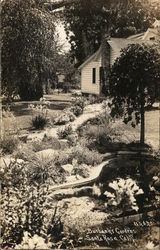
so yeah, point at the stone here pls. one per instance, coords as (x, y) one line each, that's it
(68, 168)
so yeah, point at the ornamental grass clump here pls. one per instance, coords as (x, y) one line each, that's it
(40, 114)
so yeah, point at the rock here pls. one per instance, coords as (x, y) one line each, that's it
(68, 168)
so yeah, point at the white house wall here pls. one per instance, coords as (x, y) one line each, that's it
(86, 77)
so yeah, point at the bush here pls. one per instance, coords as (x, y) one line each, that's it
(85, 156)
(78, 106)
(102, 130)
(77, 110)
(9, 144)
(25, 204)
(81, 170)
(64, 132)
(35, 242)
(46, 143)
(39, 121)
(64, 118)
(24, 152)
(40, 114)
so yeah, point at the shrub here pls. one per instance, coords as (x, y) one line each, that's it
(65, 117)
(64, 132)
(124, 194)
(85, 156)
(40, 114)
(92, 99)
(9, 124)
(9, 144)
(47, 142)
(35, 242)
(81, 170)
(43, 169)
(25, 205)
(39, 121)
(103, 130)
(78, 106)
(77, 110)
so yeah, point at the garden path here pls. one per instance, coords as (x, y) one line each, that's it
(90, 111)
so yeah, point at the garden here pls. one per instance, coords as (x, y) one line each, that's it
(67, 180)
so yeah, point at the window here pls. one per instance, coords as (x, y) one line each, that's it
(94, 75)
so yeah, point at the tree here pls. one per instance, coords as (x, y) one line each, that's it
(87, 21)
(133, 84)
(27, 42)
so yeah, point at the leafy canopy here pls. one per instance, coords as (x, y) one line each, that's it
(134, 81)
(28, 46)
(87, 21)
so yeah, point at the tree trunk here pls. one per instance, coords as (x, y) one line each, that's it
(142, 136)
(142, 132)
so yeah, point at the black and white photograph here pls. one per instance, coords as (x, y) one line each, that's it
(80, 124)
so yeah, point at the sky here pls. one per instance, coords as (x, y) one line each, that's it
(62, 37)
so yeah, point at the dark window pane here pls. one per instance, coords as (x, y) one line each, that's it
(94, 75)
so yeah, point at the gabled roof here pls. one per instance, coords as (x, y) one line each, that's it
(93, 57)
(116, 44)
(137, 36)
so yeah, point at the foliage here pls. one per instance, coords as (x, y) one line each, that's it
(81, 170)
(124, 194)
(85, 156)
(64, 132)
(39, 122)
(9, 124)
(40, 114)
(9, 144)
(47, 142)
(44, 169)
(35, 242)
(25, 204)
(136, 87)
(9, 139)
(65, 117)
(28, 48)
(78, 106)
(102, 130)
(87, 21)
(77, 110)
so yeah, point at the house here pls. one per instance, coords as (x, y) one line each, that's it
(92, 73)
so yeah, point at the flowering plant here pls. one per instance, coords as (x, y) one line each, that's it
(124, 193)
(35, 242)
(65, 117)
(65, 131)
(39, 113)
